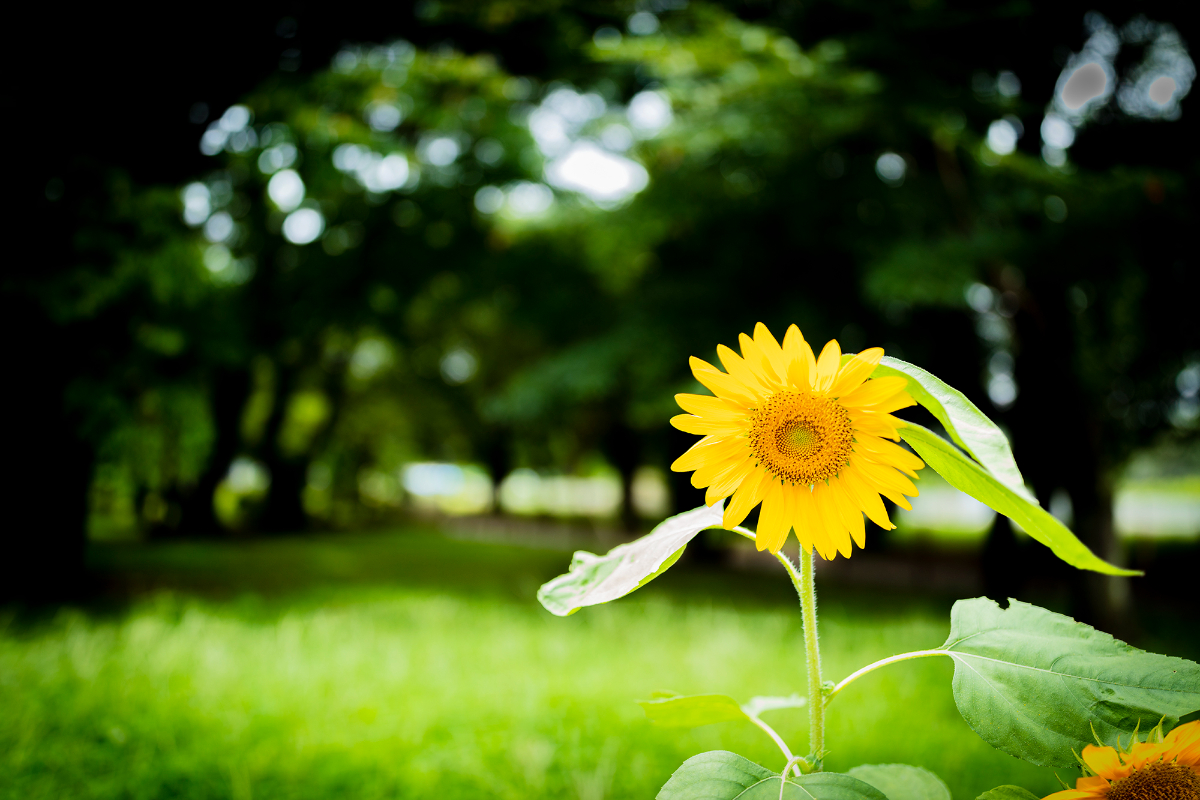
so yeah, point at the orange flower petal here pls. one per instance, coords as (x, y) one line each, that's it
(1105, 762)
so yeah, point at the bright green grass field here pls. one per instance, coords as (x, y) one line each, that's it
(414, 666)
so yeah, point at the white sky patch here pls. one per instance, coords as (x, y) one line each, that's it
(597, 173)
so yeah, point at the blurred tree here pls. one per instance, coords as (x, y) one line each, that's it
(379, 270)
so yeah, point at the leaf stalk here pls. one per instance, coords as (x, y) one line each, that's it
(872, 667)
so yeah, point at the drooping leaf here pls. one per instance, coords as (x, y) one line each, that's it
(902, 781)
(1009, 792)
(965, 475)
(721, 775)
(692, 711)
(969, 427)
(1035, 684)
(594, 579)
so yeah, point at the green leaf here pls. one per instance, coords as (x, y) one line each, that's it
(965, 475)
(715, 775)
(1008, 793)
(693, 710)
(594, 579)
(970, 428)
(1035, 684)
(818, 786)
(721, 775)
(902, 781)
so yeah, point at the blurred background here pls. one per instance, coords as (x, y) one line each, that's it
(341, 328)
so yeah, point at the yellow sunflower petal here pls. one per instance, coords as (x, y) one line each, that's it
(801, 364)
(721, 384)
(711, 407)
(1078, 794)
(771, 348)
(873, 391)
(702, 426)
(828, 364)
(804, 519)
(857, 370)
(884, 452)
(894, 403)
(851, 514)
(831, 519)
(865, 498)
(710, 472)
(759, 364)
(745, 498)
(887, 476)
(885, 426)
(1105, 762)
(736, 366)
(1183, 744)
(772, 527)
(725, 483)
(868, 471)
(719, 449)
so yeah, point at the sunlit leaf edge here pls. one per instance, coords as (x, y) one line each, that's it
(970, 428)
(967, 476)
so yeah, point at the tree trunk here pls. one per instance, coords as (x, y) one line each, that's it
(623, 446)
(1103, 600)
(283, 511)
(230, 389)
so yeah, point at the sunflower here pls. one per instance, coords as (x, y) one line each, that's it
(1166, 769)
(804, 436)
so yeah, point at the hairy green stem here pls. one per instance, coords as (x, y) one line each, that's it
(805, 587)
(808, 610)
(881, 663)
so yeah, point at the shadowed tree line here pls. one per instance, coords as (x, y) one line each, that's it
(423, 323)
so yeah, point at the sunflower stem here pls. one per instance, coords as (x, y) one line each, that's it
(808, 611)
(805, 586)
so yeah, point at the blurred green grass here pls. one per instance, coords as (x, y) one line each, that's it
(414, 665)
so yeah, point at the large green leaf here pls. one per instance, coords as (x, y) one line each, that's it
(965, 475)
(721, 775)
(1035, 684)
(691, 711)
(902, 781)
(594, 579)
(1008, 792)
(969, 427)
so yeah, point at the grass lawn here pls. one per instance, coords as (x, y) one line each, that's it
(410, 665)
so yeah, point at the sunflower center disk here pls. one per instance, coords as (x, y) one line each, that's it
(801, 438)
(1158, 782)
